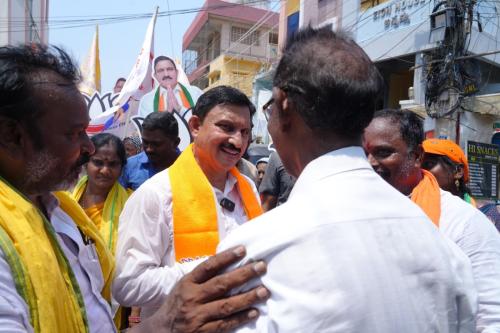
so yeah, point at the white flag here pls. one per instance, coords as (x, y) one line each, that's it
(140, 81)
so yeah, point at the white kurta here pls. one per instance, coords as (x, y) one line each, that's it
(478, 238)
(14, 312)
(146, 105)
(348, 253)
(146, 269)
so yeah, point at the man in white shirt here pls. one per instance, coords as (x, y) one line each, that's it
(346, 252)
(170, 95)
(393, 143)
(179, 215)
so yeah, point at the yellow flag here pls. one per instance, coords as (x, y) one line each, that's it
(91, 68)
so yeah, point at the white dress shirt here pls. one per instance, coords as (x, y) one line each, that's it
(14, 312)
(146, 269)
(478, 238)
(349, 253)
(146, 105)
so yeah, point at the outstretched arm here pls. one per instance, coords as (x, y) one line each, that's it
(199, 302)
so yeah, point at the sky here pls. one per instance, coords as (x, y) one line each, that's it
(119, 42)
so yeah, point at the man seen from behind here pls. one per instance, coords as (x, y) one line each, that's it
(346, 252)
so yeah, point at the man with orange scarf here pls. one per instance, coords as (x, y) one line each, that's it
(176, 218)
(393, 144)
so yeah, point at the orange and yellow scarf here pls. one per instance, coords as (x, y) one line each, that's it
(106, 216)
(195, 207)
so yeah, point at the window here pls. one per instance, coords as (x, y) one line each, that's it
(250, 39)
(273, 38)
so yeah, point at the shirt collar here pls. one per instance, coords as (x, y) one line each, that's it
(143, 159)
(50, 202)
(228, 187)
(334, 162)
(175, 89)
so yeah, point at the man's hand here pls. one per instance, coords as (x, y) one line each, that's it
(199, 302)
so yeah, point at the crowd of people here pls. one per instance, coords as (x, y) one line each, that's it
(353, 223)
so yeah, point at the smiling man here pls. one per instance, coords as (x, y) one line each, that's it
(170, 95)
(393, 145)
(180, 214)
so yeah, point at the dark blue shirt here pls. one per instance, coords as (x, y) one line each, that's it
(137, 170)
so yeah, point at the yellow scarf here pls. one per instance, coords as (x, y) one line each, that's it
(106, 218)
(428, 196)
(40, 270)
(87, 227)
(107, 222)
(194, 207)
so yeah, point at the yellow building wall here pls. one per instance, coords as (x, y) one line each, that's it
(234, 72)
(292, 6)
(398, 88)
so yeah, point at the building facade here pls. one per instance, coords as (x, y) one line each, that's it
(228, 44)
(24, 21)
(397, 36)
(413, 43)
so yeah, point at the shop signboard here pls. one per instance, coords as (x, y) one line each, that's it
(392, 16)
(483, 169)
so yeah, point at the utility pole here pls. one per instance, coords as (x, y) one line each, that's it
(445, 85)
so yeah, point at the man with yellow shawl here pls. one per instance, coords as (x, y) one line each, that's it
(54, 265)
(56, 269)
(177, 217)
(393, 144)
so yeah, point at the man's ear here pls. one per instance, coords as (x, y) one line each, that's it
(285, 111)
(419, 155)
(194, 124)
(12, 135)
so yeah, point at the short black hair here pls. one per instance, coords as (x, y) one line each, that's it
(163, 121)
(162, 58)
(18, 84)
(103, 139)
(221, 95)
(410, 124)
(329, 80)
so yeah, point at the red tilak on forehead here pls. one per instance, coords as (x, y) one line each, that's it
(366, 144)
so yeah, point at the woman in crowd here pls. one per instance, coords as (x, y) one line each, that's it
(447, 162)
(102, 197)
(99, 193)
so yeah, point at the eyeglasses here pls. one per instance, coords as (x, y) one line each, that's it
(267, 109)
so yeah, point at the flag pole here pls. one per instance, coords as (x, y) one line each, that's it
(148, 41)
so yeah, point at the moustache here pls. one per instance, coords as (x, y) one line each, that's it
(231, 146)
(166, 77)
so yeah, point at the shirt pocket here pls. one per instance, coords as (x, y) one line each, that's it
(90, 262)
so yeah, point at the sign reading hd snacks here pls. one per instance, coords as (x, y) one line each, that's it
(483, 168)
